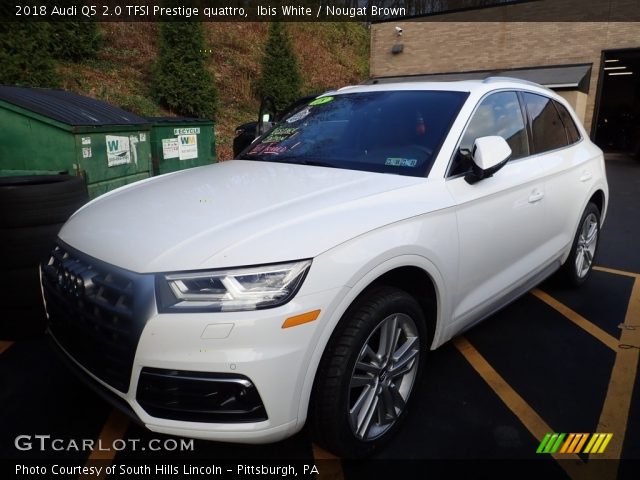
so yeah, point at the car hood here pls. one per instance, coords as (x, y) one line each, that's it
(232, 214)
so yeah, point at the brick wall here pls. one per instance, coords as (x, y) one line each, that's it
(453, 46)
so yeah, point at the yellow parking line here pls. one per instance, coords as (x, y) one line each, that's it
(114, 428)
(617, 272)
(331, 468)
(527, 415)
(4, 345)
(615, 411)
(609, 340)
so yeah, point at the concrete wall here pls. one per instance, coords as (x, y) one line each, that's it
(448, 45)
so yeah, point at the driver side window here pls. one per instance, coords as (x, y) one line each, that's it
(498, 114)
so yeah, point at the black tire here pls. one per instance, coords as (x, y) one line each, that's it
(20, 288)
(569, 272)
(39, 199)
(22, 323)
(330, 400)
(27, 246)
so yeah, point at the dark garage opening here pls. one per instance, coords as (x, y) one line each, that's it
(618, 121)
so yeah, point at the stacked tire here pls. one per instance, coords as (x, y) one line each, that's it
(32, 211)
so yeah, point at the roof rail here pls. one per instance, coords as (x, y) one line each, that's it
(494, 79)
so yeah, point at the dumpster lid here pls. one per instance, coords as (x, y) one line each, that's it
(177, 120)
(68, 107)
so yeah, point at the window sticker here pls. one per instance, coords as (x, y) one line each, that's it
(401, 162)
(267, 149)
(299, 116)
(274, 149)
(320, 101)
(279, 134)
(257, 149)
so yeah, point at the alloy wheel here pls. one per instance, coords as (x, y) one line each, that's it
(586, 247)
(383, 376)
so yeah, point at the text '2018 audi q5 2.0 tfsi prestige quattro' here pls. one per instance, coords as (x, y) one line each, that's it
(307, 280)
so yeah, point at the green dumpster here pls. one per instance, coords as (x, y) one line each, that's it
(59, 131)
(178, 143)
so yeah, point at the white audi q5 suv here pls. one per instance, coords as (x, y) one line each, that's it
(308, 279)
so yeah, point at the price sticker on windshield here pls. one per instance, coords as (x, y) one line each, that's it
(320, 101)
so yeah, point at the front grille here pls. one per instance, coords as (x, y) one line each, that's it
(199, 396)
(103, 392)
(95, 312)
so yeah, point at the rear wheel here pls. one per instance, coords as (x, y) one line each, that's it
(368, 372)
(585, 245)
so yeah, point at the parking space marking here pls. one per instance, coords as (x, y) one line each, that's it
(332, 465)
(114, 428)
(575, 468)
(609, 340)
(617, 272)
(4, 346)
(617, 403)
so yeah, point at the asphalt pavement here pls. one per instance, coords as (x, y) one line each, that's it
(557, 360)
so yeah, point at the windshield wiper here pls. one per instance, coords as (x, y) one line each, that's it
(315, 163)
(250, 156)
(290, 160)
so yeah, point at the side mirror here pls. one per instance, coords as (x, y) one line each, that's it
(489, 155)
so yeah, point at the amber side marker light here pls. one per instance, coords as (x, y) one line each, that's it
(300, 319)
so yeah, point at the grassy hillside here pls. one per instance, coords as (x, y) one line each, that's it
(330, 55)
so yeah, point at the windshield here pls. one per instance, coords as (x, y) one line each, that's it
(396, 132)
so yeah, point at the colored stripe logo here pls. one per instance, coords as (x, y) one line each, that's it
(574, 443)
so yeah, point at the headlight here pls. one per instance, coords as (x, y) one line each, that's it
(247, 288)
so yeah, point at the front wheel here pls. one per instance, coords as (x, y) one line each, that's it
(585, 244)
(368, 372)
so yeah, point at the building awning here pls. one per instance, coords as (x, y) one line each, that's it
(560, 77)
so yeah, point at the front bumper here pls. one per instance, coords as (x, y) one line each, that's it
(234, 345)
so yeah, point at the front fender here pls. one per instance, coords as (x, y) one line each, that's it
(363, 260)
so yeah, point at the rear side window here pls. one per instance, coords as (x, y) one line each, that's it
(569, 125)
(546, 126)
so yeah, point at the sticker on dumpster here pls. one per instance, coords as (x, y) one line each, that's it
(86, 140)
(118, 150)
(170, 148)
(187, 146)
(143, 137)
(133, 141)
(186, 131)
(86, 152)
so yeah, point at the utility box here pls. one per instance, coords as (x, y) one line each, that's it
(46, 130)
(178, 143)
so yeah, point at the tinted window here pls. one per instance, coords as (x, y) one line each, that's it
(387, 131)
(572, 131)
(546, 126)
(498, 114)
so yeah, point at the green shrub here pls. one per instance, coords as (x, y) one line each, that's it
(25, 55)
(74, 41)
(280, 78)
(181, 81)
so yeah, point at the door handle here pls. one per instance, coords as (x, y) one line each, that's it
(586, 176)
(535, 196)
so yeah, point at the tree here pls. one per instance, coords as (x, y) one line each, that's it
(25, 55)
(75, 41)
(280, 74)
(181, 81)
